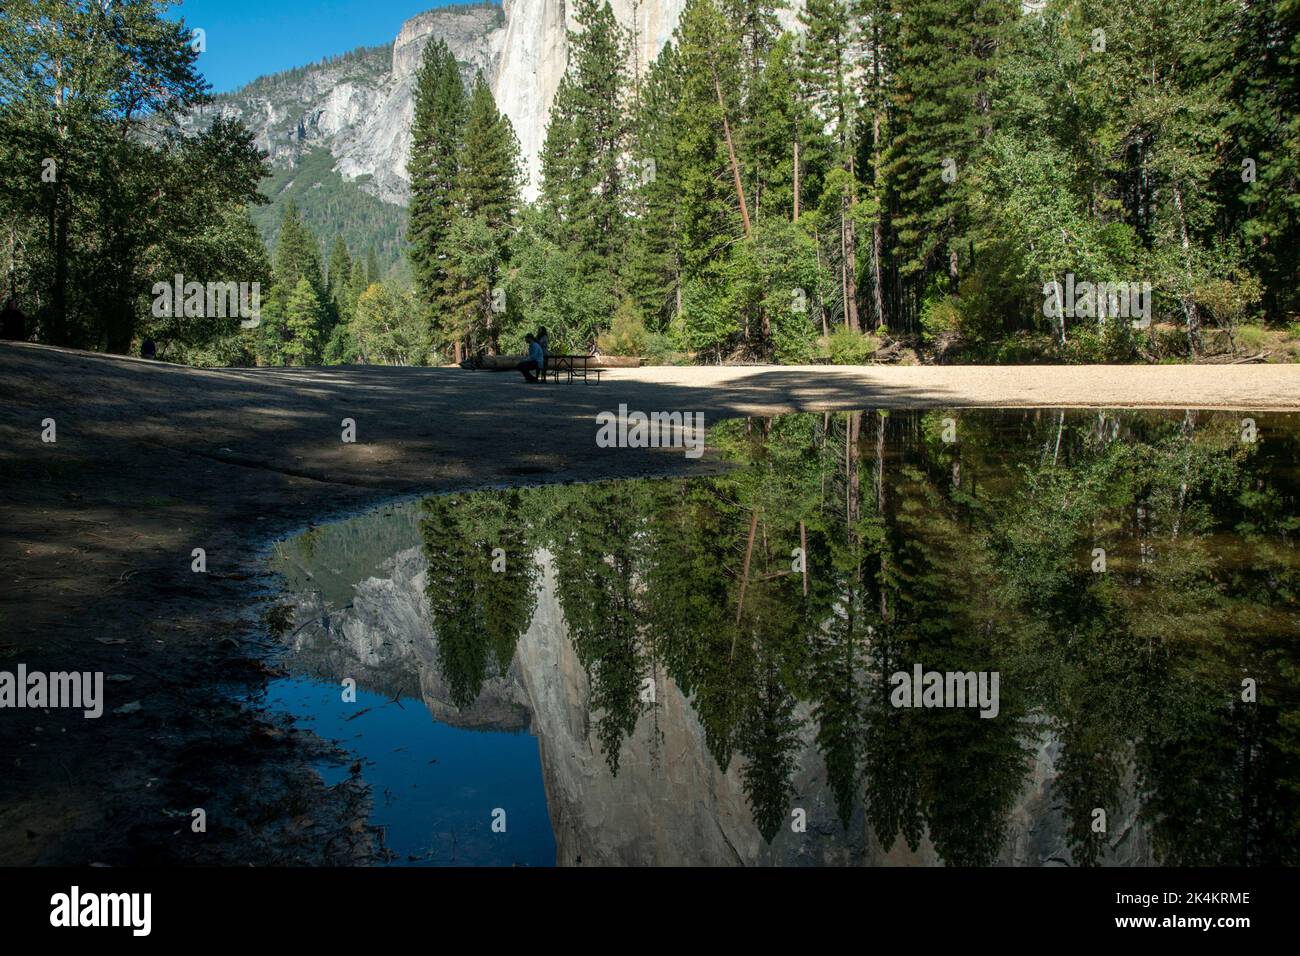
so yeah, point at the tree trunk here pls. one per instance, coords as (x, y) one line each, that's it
(744, 580)
(796, 180)
(803, 547)
(850, 251)
(880, 512)
(731, 154)
(119, 320)
(821, 305)
(877, 293)
(1189, 304)
(56, 330)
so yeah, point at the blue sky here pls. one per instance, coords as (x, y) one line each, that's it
(246, 38)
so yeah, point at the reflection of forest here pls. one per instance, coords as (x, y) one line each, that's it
(977, 554)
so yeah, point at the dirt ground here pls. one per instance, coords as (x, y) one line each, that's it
(154, 460)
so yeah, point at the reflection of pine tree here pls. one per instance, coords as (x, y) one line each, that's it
(478, 613)
(944, 615)
(839, 639)
(837, 685)
(688, 601)
(769, 741)
(1099, 644)
(599, 562)
(1219, 783)
(893, 802)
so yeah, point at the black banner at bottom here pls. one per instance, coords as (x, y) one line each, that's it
(368, 905)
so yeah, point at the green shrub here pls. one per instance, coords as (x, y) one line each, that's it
(1119, 341)
(1251, 337)
(1170, 341)
(627, 333)
(1084, 345)
(940, 317)
(846, 347)
(659, 351)
(1023, 348)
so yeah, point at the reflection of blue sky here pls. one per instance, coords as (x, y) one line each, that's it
(432, 809)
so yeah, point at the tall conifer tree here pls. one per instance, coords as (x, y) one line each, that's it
(440, 106)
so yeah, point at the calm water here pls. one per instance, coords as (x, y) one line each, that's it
(736, 669)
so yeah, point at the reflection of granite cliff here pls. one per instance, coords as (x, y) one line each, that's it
(669, 803)
(384, 640)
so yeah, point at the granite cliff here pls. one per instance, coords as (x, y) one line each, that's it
(359, 106)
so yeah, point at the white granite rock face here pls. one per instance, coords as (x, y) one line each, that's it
(535, 55)
(361, 110)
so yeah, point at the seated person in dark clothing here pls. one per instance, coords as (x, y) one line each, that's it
(13, 324)
(148, 349)
(536, 361)
(544, 340)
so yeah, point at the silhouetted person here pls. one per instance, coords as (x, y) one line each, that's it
(535, 362)
(148, 349)
(544, 340)
(13, 324)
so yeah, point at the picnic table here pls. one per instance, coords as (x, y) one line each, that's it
(574, 366)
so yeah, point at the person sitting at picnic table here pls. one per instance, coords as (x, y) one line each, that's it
(535, 362)
(544, 340)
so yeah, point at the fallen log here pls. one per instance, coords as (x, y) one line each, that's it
(504, 363)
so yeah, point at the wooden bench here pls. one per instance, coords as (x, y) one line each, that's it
(572, 366)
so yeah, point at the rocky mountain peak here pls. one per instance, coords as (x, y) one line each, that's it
(359, 106)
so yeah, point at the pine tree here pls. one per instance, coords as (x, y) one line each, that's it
(756, 28)
(877, 28)
(944, 66)
(467, 320)
(714, 210)
(272, 332)
(488, 168)
(584, 190)
(479, 240)
(358, 283)
(440, 107)
(303, 319)
(340, 277)
(784, 131)
(297, 254)
(826, 66)
(653, 270)
(1264, 63)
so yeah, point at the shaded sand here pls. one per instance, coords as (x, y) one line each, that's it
(154, 460)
